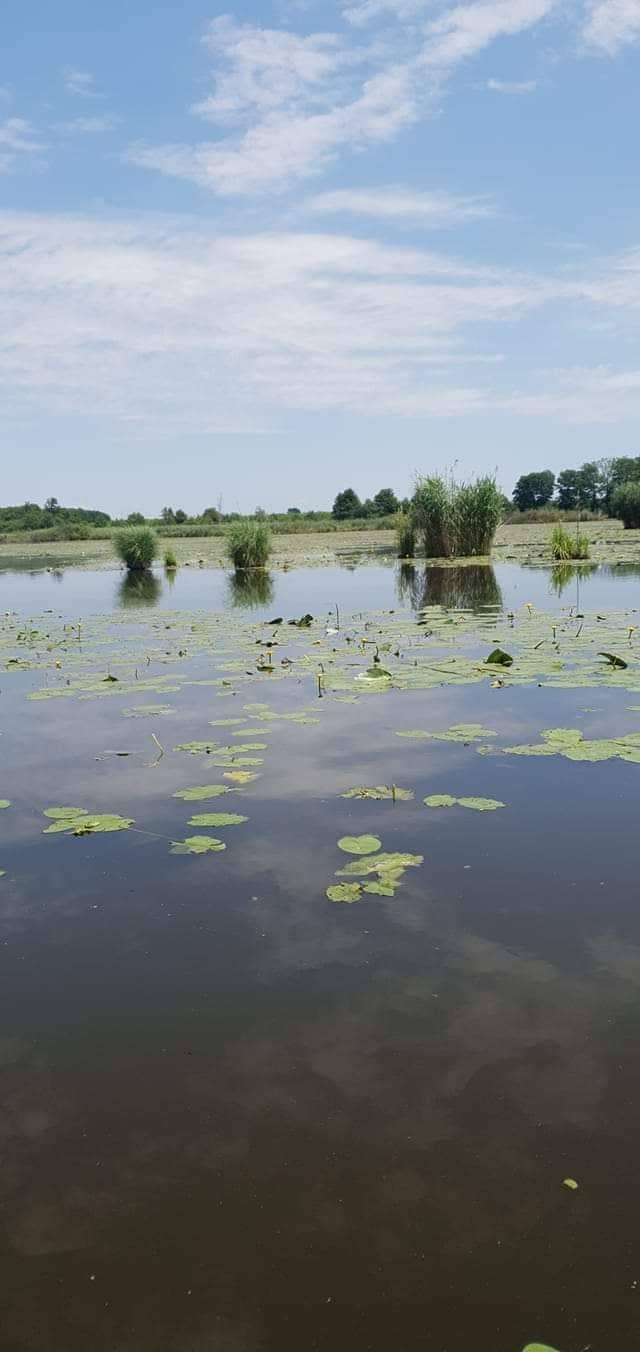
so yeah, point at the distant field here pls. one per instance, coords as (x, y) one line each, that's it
(610, 543)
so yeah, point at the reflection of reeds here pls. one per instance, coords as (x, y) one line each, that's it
(467, 588)
(140, 588)
(563, 574)
(250, 589)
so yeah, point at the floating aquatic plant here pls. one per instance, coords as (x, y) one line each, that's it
(476, 804)
(217, 819)
(344, 892)
(359, 844)
(197, 845)
(573, 745)
(5, 802)
(201, 791)
(78, 821)
(459, 732)
(380, 791)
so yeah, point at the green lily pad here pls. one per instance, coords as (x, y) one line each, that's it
(571, 1184)
(538, 1347)
(380, 863)
(217, 819)
(79, 822)
(5, 802)
(344, 892)
(197, 748)
(241, 776)
(499, 658)
(380, 791)
(572, 744)
(458, 732)
(197, 845)
(201, 791)
(359, 844)
(381, 888)
(3, 873)
(226, 722)
(476, 804)
(238, 760)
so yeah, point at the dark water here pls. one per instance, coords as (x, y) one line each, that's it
(236, 1117)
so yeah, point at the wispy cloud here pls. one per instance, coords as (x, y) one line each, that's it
(396, 203)
(297, 101)
(510, 86)
(88, 126)
(612, 24)
(17, 139)
(169, 327)
(80, 83)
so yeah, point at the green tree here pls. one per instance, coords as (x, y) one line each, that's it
(51, 505)
(168, 516)
(293, 511)
(589, 485)
(135, 519)
(385, 502)
(347, 505)
(534, 490)
(180, 517)
(211, 514)
(568, 486)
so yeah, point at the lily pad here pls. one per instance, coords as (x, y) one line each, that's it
(380, 863)
(359, 844)
(217, 819)
(538, 1347)
(571, 1184)
(572, 744)
(148, 711)
(499, 658)
(197, 748)
(476, 804)
(226, 722)
(344, 892)
(201, 791)
(197, 845)
(79, 822)
(381, 888)
(380, 791)
(241, 776)
(458, 732)
(5, 802)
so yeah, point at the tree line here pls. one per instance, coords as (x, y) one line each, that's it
(593, 487)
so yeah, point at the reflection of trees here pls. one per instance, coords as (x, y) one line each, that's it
(563, 574)
(469, 587)
(250, 587)
(141, 588)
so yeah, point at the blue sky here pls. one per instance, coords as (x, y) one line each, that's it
(263, 253)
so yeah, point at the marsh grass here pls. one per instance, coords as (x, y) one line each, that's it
(248, 544)
(406, 536)
(565, 546)
(170, 560)
(136, 546)
(456, 520)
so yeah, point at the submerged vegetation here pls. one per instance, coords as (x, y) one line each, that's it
(249, 544)
(136, 546)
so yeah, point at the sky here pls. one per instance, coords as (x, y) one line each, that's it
(257, 255)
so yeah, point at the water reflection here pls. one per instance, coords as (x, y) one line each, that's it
(466, 587)
(139, 589)
(564, 574)
(250, 588)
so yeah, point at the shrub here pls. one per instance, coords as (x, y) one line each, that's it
(456, 520)
(170, 560)
(625, 503)
(249, 544)
(406, 535)
(136, 546)
(565, 546)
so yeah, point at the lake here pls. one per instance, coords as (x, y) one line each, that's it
(239, 1114)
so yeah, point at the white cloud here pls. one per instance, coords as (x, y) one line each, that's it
(464, 31)
(397, 203)
(612, 24)
(88, 126)
(17, 138)
(80, 83)
(169, 327)
(511, 86)
(297, 101)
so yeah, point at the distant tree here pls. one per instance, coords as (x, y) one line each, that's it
(347, 505)
(568, 489)
(180, 517)
(589, 485)
(135, 519)
(168, 516)
(51, 505)
(534, 490)
(211, 514)
(293, 511)
(405, 505)
(385, 502)
(368, 508)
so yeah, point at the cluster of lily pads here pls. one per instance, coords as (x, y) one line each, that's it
(385, 871)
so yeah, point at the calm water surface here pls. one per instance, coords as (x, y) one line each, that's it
(236, 1117)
